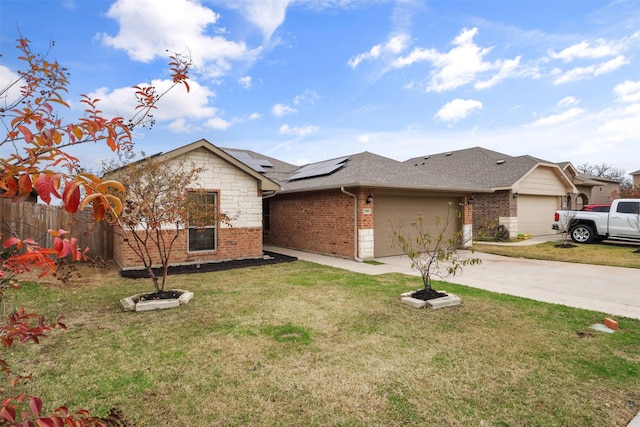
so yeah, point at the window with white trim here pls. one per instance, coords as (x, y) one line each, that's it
(203, 232)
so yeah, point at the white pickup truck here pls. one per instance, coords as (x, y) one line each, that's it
(621, 222)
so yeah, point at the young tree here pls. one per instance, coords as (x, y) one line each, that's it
(161, 200)
(565, 220)
(428, 251)
(39, 141)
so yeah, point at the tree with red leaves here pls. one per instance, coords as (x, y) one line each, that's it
(40, 162)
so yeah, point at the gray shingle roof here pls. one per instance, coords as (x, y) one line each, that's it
(480, 166)
(368, 169)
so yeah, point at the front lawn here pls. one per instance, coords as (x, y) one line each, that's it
(304, 344)
(613, 254)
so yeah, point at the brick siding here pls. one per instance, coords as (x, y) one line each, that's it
(233, 243)
(488, 207)
(319, 221)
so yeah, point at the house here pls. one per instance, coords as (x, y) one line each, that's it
(349, 206)
(591, 189)
(635, 176)
(522, 193)
(236, 188)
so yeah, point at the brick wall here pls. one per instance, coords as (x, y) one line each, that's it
(320, 221)
(233, 243)
(488, 207)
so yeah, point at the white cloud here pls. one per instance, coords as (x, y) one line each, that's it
(217, 123)
(176, 104)
(461, 65)
(621, 124)
(13, 93)
(457, 109)
(581, 73)
(394, 46)
(629, 91)
(245, 82)
(307, 97)
(556, 119)
(255, 116)
(367, 138)
(179, 126)
(267, 15)
(280, 110)
(584, 50)
(148, 30)
(505, 69)
(568, 101)
(298, 131)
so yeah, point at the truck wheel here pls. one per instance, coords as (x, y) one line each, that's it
(582, 234)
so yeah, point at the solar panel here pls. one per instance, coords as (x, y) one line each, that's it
(257, 165)
(319, 169)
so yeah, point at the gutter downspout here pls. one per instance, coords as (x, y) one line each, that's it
(355, 223)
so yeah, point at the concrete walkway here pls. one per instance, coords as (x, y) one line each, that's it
(611, 290)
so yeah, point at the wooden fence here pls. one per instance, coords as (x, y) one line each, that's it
(32, 220)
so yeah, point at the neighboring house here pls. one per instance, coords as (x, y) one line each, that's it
(522, 193)
(603, 192)
(584, 187)
(348, 206)
(237, 190)
(591, 189)
(635, 176)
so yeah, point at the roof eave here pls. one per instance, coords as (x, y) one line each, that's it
(387, 186)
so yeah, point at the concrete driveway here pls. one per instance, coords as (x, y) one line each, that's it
(611, 290)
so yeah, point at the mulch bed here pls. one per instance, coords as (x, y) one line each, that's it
(271, 258)
(427, 294)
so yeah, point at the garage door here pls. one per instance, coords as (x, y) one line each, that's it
(535, 213)
(392, 211)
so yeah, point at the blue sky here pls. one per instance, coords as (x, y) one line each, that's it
(309, 80)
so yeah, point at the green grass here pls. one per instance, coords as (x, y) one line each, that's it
(613, 254)
(304, 344)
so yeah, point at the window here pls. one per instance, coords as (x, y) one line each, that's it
(203, 233)
(629, 207)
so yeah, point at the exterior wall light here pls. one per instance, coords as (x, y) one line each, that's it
(369, 199)
(515, 196)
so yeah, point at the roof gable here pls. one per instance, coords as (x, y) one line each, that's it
(487, 168)
(265, 183)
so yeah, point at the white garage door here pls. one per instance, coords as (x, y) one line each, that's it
(391, 211)
(535, 213)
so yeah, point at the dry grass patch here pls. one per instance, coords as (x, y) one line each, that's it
(303, 344)
(613, 254)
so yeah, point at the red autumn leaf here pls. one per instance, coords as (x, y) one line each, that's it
(51, 422)
(12, 241)
(28, 136)
(24, 184)
(36, 405)
(10, 186)
(8, 413)
(47, 185)
(71, 197)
